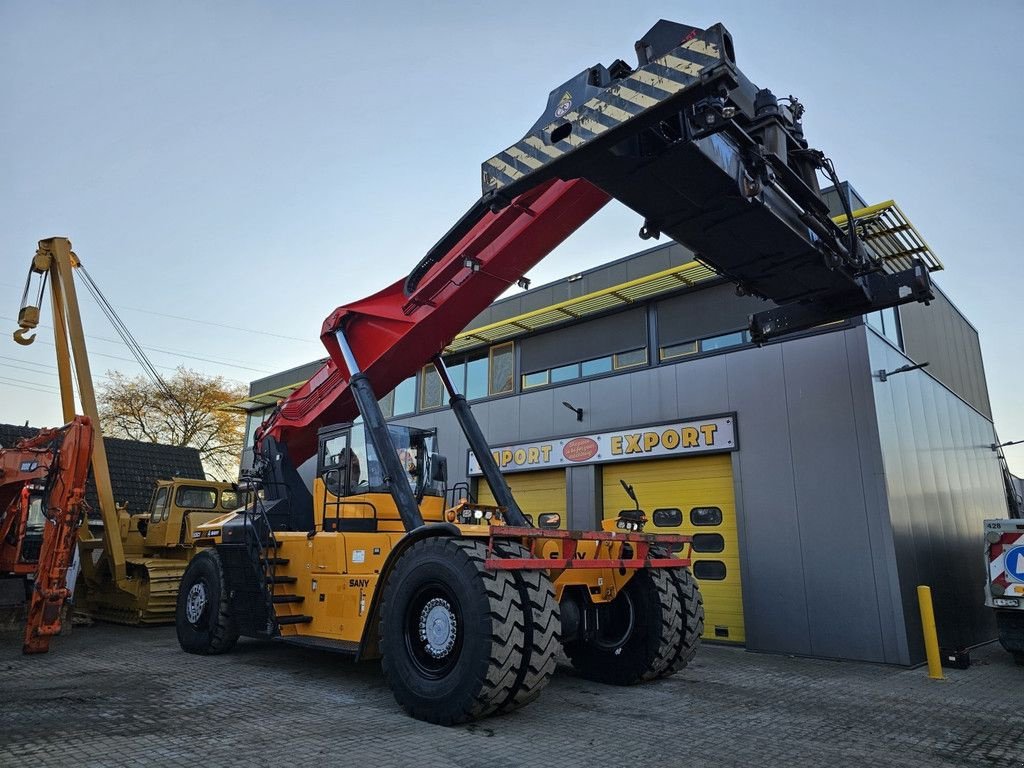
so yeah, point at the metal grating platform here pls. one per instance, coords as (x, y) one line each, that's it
(892, 236)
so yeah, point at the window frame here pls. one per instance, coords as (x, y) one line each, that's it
(546, 382)
(664, 354)
(181, 488)
(494, 348)
(617, 366)
(425, 373)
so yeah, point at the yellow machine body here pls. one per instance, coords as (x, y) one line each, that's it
(337, 573)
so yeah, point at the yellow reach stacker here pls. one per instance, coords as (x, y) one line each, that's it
(466, 603)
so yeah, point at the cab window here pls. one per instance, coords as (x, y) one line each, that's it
(191, 497)
(229, 500)
(159, 506)
(365, 474)
(36, 518)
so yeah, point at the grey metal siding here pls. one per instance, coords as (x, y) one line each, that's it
(942, 481)
(940, 335)
(705, 313)
(809, 510)
(589, 340)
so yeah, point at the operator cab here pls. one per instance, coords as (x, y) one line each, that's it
(352, 492)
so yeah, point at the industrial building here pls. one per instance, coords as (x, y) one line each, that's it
(823, 476)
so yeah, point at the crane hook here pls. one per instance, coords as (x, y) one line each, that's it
(28, 319)
(21, 338)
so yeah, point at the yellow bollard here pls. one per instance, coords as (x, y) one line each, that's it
(931, 638)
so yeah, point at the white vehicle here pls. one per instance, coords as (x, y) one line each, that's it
(1004, 589)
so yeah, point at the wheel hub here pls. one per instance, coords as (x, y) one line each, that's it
(438, 627)
(195, 604)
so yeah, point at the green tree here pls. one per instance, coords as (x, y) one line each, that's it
(186, 409)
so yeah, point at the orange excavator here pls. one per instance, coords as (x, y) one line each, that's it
(42, 505)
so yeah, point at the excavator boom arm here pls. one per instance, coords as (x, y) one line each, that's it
(56, 463)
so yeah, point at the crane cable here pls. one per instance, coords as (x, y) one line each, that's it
(129, 340)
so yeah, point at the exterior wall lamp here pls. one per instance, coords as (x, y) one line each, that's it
(574, 409)
(883, 375)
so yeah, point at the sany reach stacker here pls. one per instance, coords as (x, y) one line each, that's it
(466, 604)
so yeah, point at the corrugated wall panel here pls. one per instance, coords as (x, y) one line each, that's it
(942, 482)
(939, 335)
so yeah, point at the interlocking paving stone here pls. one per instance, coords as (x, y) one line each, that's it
(113, 696)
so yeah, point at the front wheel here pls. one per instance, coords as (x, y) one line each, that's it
(202, 619)
(452, 633)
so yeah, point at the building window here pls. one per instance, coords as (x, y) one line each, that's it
(431, 390)
(710, 344)
(476, 377)
(708, 542)
(596, 367)
(721, 342)
(469, 374)
(887, 323)
(401, 400)
(705, 516)
(538, 379)
(565, 373)
(501, 365)
(709, 570)
(679, 350)
(405, 397)
(630, 358)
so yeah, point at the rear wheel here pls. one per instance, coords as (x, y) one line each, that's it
(644, 633)
(452, 633)
(692, 603)
(1010, 626)
(202, 620)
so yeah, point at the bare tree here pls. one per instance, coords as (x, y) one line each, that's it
(188, 412)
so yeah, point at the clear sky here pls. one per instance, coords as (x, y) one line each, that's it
(228, 171)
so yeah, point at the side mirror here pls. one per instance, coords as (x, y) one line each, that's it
(439, 468)
(629, 492)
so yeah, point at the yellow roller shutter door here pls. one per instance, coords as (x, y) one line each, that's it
(536, 492)
(701, 488)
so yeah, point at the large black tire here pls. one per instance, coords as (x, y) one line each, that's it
(643, 633)
(542, 629)
(201, 617)
(452, 634)
(692, 602)
(1010, 626)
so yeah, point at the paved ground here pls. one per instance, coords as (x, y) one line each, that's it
(108, 696)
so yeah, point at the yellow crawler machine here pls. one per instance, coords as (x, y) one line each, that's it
(132, 567)
(157, 545)
(466, 604)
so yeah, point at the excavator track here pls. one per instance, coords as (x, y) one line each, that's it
(155, 590)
